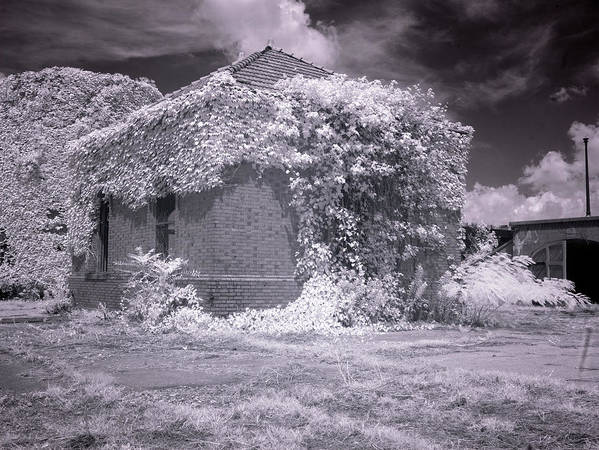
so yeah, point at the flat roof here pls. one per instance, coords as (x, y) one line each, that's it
(563, 220)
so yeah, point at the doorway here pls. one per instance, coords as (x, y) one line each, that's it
(582, 262)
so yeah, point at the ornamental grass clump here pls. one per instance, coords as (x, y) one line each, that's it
(484, 283)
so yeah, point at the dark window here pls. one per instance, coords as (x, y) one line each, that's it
(164, 226)
(103, 236)
(3, 247)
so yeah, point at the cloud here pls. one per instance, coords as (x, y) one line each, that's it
(373, 46)
(564, 94)
(249, 25)
(556, 184)
(41, 32)
(516, 64)
(510, 83)
(461, 49)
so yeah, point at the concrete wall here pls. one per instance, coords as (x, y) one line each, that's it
(532, 236)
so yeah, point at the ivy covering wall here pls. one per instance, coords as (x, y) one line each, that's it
(40, 112)
(371, 165)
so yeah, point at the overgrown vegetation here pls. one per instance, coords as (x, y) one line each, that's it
(327, 304)
(39, 113)
(317, 392)
(344, 303)
(373, 168)
(151, 295)
(485, 282)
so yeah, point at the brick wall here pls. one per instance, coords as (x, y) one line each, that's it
(221, 295)
(240, 238)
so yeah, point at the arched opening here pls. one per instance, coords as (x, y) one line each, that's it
(581, 266)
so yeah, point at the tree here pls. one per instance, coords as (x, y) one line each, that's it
(40, 112)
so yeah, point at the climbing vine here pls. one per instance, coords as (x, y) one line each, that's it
(40, 112)
(371, 166)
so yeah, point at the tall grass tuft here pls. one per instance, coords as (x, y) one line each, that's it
(485, 283)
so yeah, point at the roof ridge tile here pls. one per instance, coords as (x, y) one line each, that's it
(235, 67)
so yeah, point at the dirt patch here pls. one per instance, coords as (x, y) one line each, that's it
(553, 345)
(19, 311)
(159, 370)
(18, 376)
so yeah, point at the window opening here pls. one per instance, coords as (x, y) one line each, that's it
(164, 224)
(103, 235)
(550, 261)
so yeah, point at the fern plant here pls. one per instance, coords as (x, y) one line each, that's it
(151, 294)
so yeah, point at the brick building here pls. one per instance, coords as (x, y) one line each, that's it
(240, 239)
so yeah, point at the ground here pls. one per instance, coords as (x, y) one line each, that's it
(92, 383)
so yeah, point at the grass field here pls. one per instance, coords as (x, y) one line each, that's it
(235, 391)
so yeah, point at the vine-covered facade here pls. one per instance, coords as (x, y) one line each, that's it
(261, 179)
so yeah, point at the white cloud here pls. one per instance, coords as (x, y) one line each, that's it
(557, 186)
(373, 47)
(510, 83)
(564, 94)
(247, 25)
(119, 29)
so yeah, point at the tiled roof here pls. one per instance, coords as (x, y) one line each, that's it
(263, 69)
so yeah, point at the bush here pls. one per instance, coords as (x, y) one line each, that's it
(327, 305)
(151, 295)
(345, 303)
(478, 239)
(484, 283)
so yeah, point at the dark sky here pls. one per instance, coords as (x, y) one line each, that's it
(524, 74)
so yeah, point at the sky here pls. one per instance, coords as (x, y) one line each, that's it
(523, 73)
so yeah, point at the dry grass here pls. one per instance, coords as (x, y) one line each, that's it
(328, 393)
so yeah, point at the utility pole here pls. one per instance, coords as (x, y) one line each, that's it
(586, 173)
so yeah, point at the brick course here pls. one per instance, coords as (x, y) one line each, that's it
(240, 238)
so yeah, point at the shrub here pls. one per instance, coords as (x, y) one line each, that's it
(478, 239)
(316, 310)
(151, 295)
(59, 305)
(484, 283)
(343, 303)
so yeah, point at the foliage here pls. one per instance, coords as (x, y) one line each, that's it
(316, 310)
(482, 284)
(151, 294)
(371, 166)
(327, 305)
(59, 305)
(39, 113)
(478, 238)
